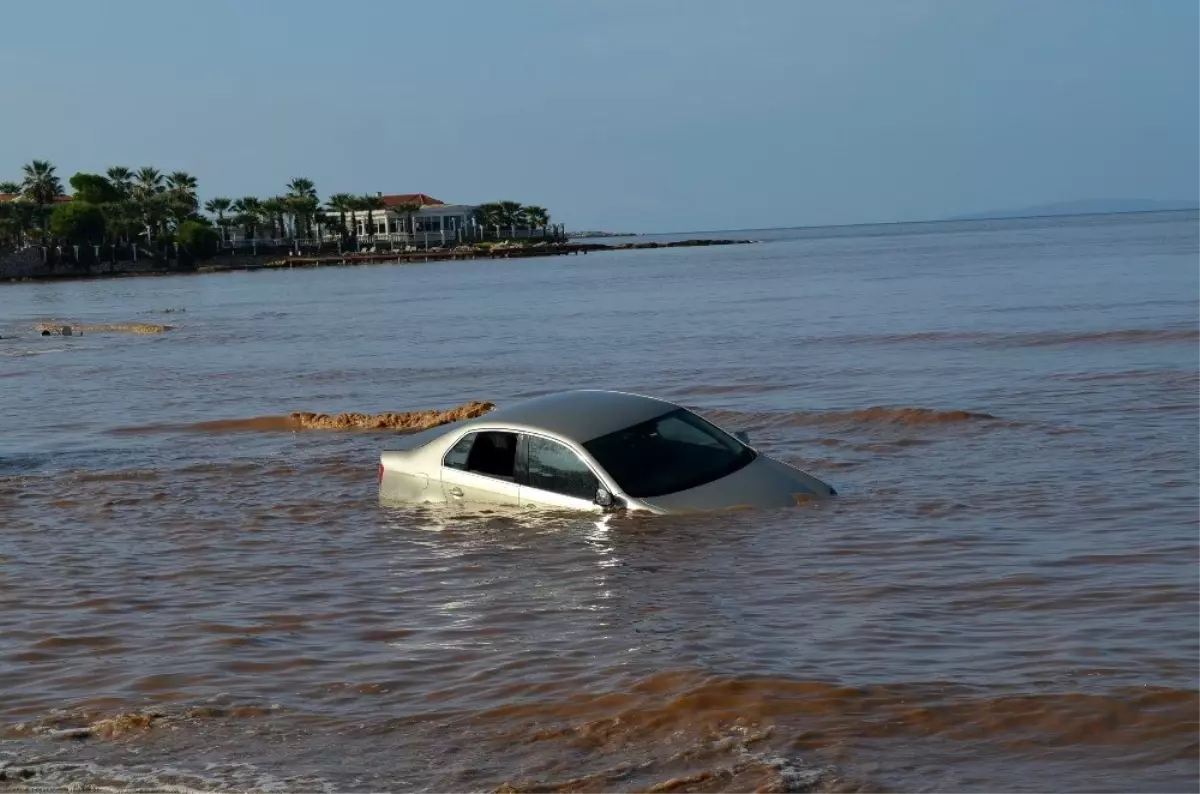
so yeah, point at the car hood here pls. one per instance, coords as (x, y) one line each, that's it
(765, 483)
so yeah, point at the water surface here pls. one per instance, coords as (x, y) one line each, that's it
(1003, 597)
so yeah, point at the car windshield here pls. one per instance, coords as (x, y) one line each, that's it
(671, 453)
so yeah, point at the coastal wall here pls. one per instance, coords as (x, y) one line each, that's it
(26, 263)
(41, 262)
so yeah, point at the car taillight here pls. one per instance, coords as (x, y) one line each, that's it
(381, 474)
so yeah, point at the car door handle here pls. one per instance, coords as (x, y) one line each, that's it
(456, 492)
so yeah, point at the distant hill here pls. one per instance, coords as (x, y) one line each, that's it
(1085, 207)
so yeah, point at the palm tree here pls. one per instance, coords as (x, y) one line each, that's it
(501, 214)
(148, 182)
(370, 204)
(510, 214)
(219, 206)
(182, 203)
(537, 217)
(147, 195)
(304, 209)
(341, 203)
(299, 186)
(182, 182)
(41, 186)
(121, 179)
(274, 209)
(407, 210)
(248, 214)
(302, 195)
(10, 188)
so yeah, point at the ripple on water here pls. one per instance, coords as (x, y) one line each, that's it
(1003, 597)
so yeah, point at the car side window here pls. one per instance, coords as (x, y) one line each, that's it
(551, 466)
(456, 458)
(490, 453)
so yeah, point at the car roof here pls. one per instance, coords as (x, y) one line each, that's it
(580, 415)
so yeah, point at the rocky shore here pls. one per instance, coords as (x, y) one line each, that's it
(34, 264)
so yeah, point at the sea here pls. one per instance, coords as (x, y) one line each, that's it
(1002, 597)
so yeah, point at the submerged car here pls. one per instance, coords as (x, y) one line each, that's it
(590, 450)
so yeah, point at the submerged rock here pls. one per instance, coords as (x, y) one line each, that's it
(48, 329)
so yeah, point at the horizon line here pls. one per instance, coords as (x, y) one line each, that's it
(904, 223)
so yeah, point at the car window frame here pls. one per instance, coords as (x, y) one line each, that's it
(522, 465)
(475, 431)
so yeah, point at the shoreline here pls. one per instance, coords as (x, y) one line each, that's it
(249, 262)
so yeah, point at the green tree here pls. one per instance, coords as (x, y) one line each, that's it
(408, 209)
(274, 209)
(302, 196)
(248, 214)
(181, 203)
(537, 217)
(299, 186)
(23, 214)
(511, 214)
(147, 194)
(93, 189)
(10, 188)
(78, 222)
(11, 227)
(122, 219)
(148, 182)
(219, 206)
(305, 209)
(182, 182)
(40, 187)
(490, 215)
(121, 178)
(371, 203)
(197, 238)
(341, 203)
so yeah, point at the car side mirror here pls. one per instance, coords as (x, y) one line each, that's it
(742, 436)
(606, 500)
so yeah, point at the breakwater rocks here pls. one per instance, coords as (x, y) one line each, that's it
(675, 244)
(32, 264)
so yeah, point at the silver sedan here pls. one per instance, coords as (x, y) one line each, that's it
(590, 450)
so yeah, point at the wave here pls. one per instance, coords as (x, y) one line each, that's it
(42, 775)
(23, 352)
(1030, 338)
(411, 421)
(907, 416)
(1159, 718)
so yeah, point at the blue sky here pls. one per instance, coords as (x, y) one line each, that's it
(654, 115)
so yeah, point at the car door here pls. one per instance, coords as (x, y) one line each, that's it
(552, 476)
(480, 469)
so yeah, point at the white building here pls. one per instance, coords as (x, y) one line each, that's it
(434, 221)
(405, 219)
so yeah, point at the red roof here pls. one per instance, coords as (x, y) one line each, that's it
(410, 198)
(59, 199)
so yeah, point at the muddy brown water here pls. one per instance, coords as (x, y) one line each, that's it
(1004, 596)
